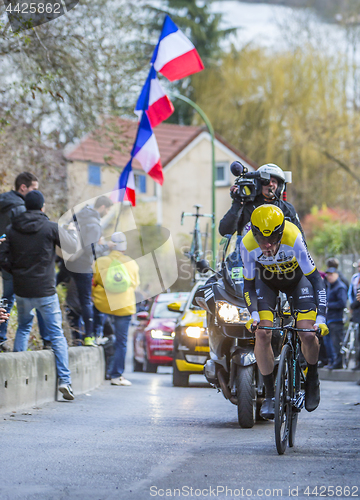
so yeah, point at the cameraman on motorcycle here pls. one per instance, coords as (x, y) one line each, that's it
(276, 259)
(239, 215)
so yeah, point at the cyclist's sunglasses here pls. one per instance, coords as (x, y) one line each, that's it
(272, 239)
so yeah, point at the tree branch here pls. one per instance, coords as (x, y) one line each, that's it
(343, 165)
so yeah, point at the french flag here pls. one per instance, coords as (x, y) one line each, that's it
(175, 56)
(146, 150)
(154, 101)
(125, 189)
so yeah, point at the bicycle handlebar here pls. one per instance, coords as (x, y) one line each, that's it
(293, 328)
(188, 214)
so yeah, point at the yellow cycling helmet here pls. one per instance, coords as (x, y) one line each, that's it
(267, 224)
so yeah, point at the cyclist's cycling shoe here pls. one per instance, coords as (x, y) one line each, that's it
(312, 393)
(267, 409)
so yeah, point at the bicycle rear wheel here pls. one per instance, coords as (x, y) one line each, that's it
(283, 396)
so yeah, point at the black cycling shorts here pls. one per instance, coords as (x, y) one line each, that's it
(300, 291)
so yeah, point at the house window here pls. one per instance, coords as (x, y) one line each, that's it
(222, 174)
(94, 175)
(140, 183)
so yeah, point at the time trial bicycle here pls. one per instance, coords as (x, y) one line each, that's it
(290, 379)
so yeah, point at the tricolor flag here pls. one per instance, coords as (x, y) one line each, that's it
(175, 56)
(154, 101)
(125, 189)
(146, 150)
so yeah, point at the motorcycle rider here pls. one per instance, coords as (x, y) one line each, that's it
(239, 215)
(276, 259)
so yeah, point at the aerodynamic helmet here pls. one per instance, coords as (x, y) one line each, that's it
(267, 224)
(275, 171)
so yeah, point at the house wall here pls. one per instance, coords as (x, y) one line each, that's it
(80, 191)
(187, 181)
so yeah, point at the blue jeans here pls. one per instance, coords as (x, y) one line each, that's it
(121, 327)
(8, 294)
(99, 320)
(50, 311)
(83, 283)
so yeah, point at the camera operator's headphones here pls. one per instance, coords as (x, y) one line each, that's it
(275, 171)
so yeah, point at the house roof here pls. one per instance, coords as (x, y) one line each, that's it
(112, 142)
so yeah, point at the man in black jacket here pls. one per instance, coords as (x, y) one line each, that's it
(336, 297)
(12, 204)
(89, 227)
(28, 253)
(239, 215)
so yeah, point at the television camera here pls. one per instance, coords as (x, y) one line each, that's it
(248, 184)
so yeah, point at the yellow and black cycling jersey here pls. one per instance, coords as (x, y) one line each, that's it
(285, 269)
(291, 254)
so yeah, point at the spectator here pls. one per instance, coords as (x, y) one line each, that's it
(336, 298)
(4, 316)
(118, 305)
(29, 255)
(12, 204)
(333, 262)
(73, 313)
(88, 224)
(354, 299)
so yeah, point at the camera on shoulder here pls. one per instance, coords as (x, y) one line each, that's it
(249, 184)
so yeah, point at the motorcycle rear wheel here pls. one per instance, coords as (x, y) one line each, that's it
(246, 396)
(283, 397)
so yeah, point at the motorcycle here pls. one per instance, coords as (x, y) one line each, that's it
(232, 366)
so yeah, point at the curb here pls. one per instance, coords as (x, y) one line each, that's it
(29, 378)
(339, 375)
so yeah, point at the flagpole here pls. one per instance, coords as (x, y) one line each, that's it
(212, 135)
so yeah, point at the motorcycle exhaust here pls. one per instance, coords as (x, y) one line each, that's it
(224, 388)
(210, 372)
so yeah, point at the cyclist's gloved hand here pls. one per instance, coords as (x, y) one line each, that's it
(320, 323)
(249, 323)
(324, 330)
(252, 323)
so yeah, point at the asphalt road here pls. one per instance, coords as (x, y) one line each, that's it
(152, 440)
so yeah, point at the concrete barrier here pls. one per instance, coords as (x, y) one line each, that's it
(339, 375)
(29, 378)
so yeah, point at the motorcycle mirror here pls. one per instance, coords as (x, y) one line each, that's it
(142, 315)
(203, 266)
(174, 306)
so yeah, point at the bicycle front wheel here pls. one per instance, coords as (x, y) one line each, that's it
(283, 397)
(295, 411)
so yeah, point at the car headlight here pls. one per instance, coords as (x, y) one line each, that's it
(194, 332)
(231, 314)
(159, 334)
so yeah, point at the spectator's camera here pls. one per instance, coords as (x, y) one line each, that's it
(249, 184)
(3, 303)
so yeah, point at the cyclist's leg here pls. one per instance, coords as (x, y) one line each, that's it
(266, 305)
(304, 304)
(263, 350)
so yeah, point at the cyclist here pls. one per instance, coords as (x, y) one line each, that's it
(239, 215)
(276, 259)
